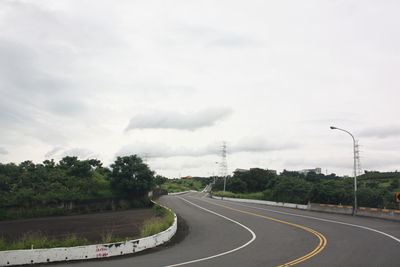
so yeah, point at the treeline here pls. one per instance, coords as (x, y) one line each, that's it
(30, 185)
(179, 185)
(379, 175)
(293, 187)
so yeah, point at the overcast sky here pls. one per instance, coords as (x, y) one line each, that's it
(171, 80)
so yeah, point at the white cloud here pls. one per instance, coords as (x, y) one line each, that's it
(61, 152)
(261, 144)
(3, 151)
(179, 120)
(81, 153)
(381, 132)
(53, 152)
(161, 150)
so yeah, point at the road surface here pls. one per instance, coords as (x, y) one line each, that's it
(223, 233)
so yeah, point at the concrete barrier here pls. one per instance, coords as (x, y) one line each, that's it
(264, 202)
(31, 256)
(330, 208)
(393, 215)
(362, 211)
(181, 193)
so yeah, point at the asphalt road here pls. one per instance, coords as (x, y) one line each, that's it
(223, 233)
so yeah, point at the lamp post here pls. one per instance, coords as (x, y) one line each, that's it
(354, 167)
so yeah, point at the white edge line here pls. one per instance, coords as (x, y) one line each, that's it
(324, 220)
(223, 253)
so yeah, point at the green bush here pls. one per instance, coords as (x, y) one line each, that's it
(124, 204)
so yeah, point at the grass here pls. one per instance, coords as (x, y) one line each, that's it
(38, 240)
(257, 195)
(163, 220)
(108, 237)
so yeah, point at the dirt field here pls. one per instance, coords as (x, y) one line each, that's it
(91, 226)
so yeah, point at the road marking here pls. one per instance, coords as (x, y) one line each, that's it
(322, 240)
(223, 253)
(324, 220)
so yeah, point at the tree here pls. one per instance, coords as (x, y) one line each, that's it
(131, 177)
(159, 180)
(292, 190)
(394, 184)
(68, 162)
(236, 185)
(255, 179)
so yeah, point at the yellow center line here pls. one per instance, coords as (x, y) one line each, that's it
(322, 240)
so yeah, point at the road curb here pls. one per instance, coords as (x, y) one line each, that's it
(97, 251)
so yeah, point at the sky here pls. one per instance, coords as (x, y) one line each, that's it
(171, 80)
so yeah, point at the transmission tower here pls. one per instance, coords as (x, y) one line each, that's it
(357, 156)
(223, 166)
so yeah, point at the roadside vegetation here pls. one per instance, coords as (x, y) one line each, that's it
(51, 188)
(180, 185)
(163, 220)
(38, 240)
(34, 190)
(374, 189)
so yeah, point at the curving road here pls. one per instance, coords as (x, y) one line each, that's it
(223, 233)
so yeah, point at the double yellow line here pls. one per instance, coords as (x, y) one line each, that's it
(322, 240)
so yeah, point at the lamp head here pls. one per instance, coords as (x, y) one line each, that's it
(333, 127)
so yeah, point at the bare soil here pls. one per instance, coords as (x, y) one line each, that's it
(122, 224)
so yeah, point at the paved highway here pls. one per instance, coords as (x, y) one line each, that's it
(223, 233)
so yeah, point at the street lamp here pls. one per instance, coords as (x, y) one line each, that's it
(354, 167)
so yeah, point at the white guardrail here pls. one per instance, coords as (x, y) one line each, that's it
(31, 256)
(264, 202)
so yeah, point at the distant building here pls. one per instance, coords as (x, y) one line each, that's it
(241, 170)
(187, 177)
(306, 171)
